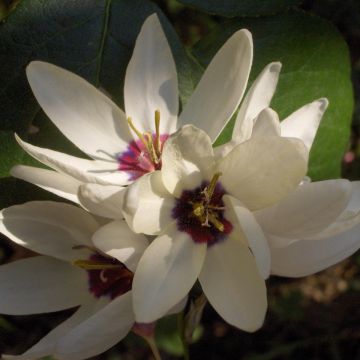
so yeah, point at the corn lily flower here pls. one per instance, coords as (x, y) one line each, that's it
(126, 145)
(255, 116)
(317, 225)
(201, 210)
(70, 273)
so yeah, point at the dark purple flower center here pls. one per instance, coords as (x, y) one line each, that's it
(107, 276)
(200, 213)
(137, 160)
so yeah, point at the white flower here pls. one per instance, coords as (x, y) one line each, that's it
(255, 116)
(125, 146)
(201, 210)
(317, 225)
(70, 273)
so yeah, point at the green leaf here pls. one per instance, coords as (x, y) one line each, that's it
(315, 64)
(168, 337)
(232, 8)
(93, 38)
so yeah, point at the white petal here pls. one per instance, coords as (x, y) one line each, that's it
(233, 286)
(99, 332)
(81, 112)
(187, 160)
(49, 228)
(165, 274)
(304, 122)
(305, 257)
(148, 205)
(102, 200)
(353, 207)
(249, 231)
(46, 346)
(267, 124)
(117, 240)
(222, 86)
(349, 218)
(263, 170)
(258, 98)
(41, 284)
(222, 150)
(309, 209)
(60, 184)
(151, 80)
(93, 171)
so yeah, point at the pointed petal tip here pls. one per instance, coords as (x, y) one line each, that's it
(152, 22)
(19, 140)
(23, 144)
(275, 66)
(245, 32)
(14, 171)
(152, 18)
(30, 66)
(37, 65)
(323, 103)
(270, 111)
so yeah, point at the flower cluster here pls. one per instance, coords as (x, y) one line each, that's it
(227, 216)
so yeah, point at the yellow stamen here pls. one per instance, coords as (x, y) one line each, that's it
(95, 265)
(214, 220)
(151, 149)
(137, 132)
(157, 132)
(204, 211)
(209, 190)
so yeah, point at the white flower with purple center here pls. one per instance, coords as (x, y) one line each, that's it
(71, 273)
(123, 146)
(201, 210)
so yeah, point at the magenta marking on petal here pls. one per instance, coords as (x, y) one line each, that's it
(109, 282)
(189, 223)
(136, 160)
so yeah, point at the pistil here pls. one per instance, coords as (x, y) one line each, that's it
(204, 211)
(200, 212)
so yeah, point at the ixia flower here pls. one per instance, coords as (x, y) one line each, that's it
(201, 210)
(317, 225)
(126, 145)
(255, 116)
(70, 273)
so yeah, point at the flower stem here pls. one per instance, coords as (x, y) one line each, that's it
(181, 329)
(152, 345)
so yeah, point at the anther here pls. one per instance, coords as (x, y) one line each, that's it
(157, 132)
(137, 132)
(151, 150)
(95, 265)
(214, 221)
